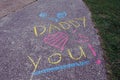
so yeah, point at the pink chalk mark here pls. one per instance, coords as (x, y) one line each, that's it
(98, 61)
(62, 43)
(74, 31)
(92, 49)
(81, 41)
(82, 38)
(57, 40)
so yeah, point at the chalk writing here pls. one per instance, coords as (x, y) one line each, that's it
(57, 40)
(34, 64)
(61, 26)
(53, 27)
(74, 23)
(61, 15)
(98, 61)
(82, 38)
(82, 19)
(76, 64)
(74, 31)
(43, 14)
(81, 54)
(54, 19)
(65, 25)
(57, 18)
(92, 49)
(36, 31)
(56, 54)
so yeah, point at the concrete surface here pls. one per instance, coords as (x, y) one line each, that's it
(9, 6)
(50, 40)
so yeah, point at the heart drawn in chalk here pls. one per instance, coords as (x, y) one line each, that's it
(57, 40)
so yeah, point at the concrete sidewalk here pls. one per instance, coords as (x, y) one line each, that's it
(9, 6)
(49, 40)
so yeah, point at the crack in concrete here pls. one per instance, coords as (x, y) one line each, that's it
(9, 12)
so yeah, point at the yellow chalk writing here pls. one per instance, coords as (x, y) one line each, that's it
(56, 54)
(82, 53)
(62, 24)
(35, 65)
(35, 31)
(74, 23)
(53, 27)
(82, 19)
(44, 30)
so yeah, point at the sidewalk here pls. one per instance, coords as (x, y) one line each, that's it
(9, 6)
(50, 40)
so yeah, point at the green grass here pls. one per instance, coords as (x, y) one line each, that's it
(106, 16)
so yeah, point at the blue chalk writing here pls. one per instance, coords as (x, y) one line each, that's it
(61, 15)
(61, 67)
(43, 15)
(58, 17)
(54, 19)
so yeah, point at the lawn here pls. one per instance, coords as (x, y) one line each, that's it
(106, 16)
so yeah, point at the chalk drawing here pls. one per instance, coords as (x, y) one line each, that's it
(74, 31)
(56, 54)
(63, 24)
(98, 61)
(53, 19)
(82, 38)
(74, 23)
(43, 15)
(36, 31)
(57, 40)
(57, 18)
(72, 65)
(53, 27)
(82, 19)
(92, 49)
(82, 53)
(61, 15)
(34, 64)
